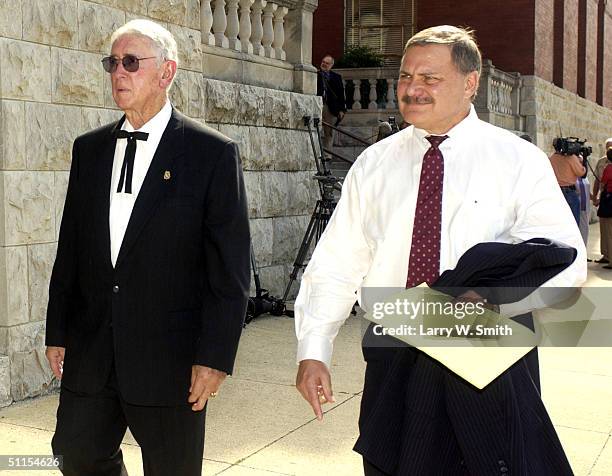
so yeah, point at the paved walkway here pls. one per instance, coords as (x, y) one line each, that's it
(259, 426)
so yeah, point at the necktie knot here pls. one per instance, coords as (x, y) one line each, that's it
(435, 141)
(127, 169)
(131, 136)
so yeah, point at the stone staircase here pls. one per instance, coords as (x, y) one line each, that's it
(348, 148)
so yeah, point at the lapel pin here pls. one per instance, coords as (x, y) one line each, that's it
(167, 175)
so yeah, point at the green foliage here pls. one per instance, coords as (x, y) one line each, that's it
(360, 57)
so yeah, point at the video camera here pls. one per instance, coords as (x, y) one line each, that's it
(572, 146)
(387, 128)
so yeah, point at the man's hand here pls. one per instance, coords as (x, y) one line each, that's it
(475, 298)
(313, 381)
(204, 382)
(596, 201)
(55, 356)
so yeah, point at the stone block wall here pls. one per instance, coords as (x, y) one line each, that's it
(53, 88)
(551, 111)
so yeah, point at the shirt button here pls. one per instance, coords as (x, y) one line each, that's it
(116, 289)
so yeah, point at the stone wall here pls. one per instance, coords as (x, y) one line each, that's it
(53, 88)
(551, 111)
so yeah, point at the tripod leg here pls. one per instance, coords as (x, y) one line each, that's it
(322, 158)
(300, 259)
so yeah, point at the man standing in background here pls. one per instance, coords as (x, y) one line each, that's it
(603, 230)
(331, 88)
(568, 169)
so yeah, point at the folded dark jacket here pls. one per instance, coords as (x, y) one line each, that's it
(418, 418)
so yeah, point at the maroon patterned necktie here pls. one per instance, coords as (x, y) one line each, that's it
(424, 265)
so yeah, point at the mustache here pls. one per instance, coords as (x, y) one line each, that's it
(416, 100)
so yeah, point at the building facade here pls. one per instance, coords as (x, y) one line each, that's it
(245, 69)
(547, 64)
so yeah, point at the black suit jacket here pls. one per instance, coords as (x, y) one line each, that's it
(334, 97)
(419, 418)
(177, 294)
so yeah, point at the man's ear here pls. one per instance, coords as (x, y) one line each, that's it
(168, 72)
(471, 84)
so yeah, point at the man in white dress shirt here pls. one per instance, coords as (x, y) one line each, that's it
(494, 187)
(151, 279)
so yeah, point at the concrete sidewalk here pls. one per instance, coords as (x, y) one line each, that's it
(260, 426)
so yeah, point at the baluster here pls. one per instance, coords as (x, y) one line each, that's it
(279, 33)
(373, 95)
(268, 29)
(508, 99)
(206, 22)
(220, 24)
(245, 26)
(391, 104)
(494, 98)
(257, 26)
(357, 94)
(233, 25)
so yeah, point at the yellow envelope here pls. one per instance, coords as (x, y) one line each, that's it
(478, 345)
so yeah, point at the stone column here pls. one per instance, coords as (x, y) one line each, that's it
(268, 29)
(373, 104)
(357, 94)
(220, 24)
(245, 26)
(206, 23)
(279, 33)
(298, 45)
(391, 94)
(257, 27)
(233, 25)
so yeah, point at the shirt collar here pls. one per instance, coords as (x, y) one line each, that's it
(454, 133)
(157, 124)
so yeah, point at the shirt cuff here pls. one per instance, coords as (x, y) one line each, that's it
(316, 348)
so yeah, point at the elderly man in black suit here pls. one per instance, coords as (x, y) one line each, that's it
(151, 278)
(330, 87)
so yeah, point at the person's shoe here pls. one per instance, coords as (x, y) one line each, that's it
(602, 260)
(607, 267)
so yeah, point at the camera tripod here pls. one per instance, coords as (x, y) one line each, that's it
(263, 302)
(323, 208)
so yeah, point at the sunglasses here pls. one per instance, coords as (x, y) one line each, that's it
(130, 63)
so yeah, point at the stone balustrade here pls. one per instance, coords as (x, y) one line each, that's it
(370, 89)
(499, 97)
(274, 37)
(255, 27)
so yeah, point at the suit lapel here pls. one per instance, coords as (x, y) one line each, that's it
(154, 185)
(102, 194)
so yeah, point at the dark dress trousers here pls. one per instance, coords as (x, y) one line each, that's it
(334, 91)
(178, 292)
(418, 418)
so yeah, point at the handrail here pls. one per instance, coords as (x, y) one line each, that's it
(352, 136)
(338, 156)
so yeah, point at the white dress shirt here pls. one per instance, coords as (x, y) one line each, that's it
(122, 204)
(497, 187)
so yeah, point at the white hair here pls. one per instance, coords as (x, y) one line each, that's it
(608, 141)
(161, 38)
